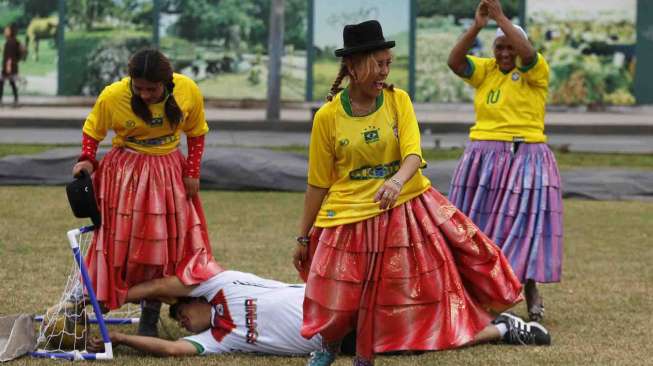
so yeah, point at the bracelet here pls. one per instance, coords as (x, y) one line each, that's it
(396, 182)
(303, 240)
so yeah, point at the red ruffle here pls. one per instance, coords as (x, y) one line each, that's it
(418, 277)
(150, 228)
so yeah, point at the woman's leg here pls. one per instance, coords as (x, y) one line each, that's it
(327, 355)
(14, 89)
(534, 303)
(150, 311)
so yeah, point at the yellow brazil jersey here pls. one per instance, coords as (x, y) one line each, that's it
(353, 156)
(113, 110)
(509, 106)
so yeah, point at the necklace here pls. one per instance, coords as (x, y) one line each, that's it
(361, 110)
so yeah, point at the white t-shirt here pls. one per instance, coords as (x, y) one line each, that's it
(252, 314)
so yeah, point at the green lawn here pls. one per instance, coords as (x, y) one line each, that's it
(227, 85)
(47, 62)
(25, 149)
(599, 314)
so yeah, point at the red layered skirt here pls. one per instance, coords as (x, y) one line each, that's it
(420, 276)
(150, 228)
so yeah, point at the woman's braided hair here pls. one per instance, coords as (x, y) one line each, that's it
(154, 66)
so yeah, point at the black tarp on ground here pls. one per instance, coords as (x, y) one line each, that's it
(261, 169)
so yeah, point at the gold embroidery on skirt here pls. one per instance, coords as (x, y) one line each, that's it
(444, 213)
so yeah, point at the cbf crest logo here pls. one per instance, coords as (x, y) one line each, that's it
(130, 124)
(156, 121)
(515, 76)
(371, 134)
(344, 142)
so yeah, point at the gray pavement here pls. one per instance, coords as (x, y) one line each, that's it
(642, 144)
(296, 116)
(58, 120)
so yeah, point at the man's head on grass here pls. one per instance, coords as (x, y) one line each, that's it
(193, 313)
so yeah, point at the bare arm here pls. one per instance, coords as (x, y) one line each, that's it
(312, 203)
(457, 58)
(160, 287)
(521, 44)
(408, 168)
(389, 192)
(156, 346)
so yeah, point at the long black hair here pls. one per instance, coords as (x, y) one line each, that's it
(154, 66)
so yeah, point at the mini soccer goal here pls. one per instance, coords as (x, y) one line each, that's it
(65, 327)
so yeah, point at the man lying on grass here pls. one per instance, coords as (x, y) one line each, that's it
(241, 312)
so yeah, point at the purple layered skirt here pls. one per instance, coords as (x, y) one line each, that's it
(516, 200)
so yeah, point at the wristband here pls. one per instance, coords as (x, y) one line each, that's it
(303, 240)
(396, 182)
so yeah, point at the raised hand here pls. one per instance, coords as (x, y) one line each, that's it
(493, 8)
(481, 17)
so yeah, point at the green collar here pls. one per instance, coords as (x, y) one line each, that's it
(346, 103)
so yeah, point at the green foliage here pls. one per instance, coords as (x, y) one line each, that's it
(108, 62)
(235, 24)
(460, 8)
(254, 75)
(22, 11)
(180, 51)
(9, 14)
(83, 14)
(578, 75)
(230, 22)
(436, 36)
(78, 48)
(97, 14)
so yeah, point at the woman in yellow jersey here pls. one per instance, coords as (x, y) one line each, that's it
(382, 252)
(153, 224)
(507, 181)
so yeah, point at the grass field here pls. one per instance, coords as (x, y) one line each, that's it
(599, 314)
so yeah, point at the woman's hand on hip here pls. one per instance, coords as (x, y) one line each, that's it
(192, 186)
(388, 193)
(82, 165)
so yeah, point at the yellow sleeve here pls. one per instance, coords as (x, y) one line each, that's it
(195, 124)
(409, 135)
(98, 122)
(321, 154)
(476, 70)
(537, 73)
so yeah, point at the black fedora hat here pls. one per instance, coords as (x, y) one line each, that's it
(363, 37)
(82, 198)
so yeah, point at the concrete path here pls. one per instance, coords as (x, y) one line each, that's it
(244, 115)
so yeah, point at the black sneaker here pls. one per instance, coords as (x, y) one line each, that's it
(521, 332)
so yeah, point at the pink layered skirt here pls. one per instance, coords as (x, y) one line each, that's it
(420, 276)
(150, 228)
